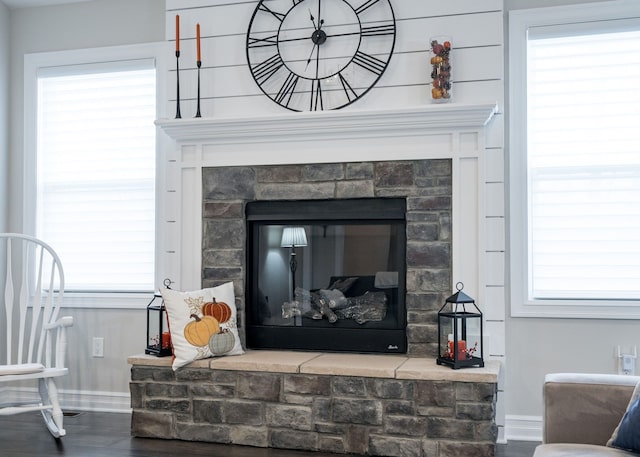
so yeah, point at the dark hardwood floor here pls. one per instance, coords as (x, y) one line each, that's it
(94, 434)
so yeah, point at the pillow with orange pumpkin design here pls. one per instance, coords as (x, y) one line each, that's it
(203, 323)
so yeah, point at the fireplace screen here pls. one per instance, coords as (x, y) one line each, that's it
(327, 275)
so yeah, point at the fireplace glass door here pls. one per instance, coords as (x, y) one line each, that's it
(327, 275)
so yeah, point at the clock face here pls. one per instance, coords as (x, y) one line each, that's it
(312, 55)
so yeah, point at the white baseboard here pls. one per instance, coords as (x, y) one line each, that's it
(76, 400)
(523, 428)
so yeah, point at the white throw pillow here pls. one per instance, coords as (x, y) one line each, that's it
(203, 323)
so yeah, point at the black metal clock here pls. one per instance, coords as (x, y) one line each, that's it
(312, 55)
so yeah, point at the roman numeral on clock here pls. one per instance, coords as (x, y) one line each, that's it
(366, 5)
(316, 96)
(348, 90)
(386, 29)
(254, 42)
(264, 8)
(287, 89)
(373, 64)
(265, 70)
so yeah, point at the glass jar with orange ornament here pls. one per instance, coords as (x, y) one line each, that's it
(440, 60)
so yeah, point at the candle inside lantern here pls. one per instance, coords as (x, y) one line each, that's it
(198, 42)
(177, 33)
(166, 340)
(462, 349)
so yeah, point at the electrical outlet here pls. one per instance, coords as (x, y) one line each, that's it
(627, 362)
(98, 346)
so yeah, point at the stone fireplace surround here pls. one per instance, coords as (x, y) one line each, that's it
(426, 184)
(388, 405)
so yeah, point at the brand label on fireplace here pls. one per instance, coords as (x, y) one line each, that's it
(392, 347)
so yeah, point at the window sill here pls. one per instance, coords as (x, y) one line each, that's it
(122, 300)
(577, 309)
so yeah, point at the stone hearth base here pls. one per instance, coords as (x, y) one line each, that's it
(342, 403)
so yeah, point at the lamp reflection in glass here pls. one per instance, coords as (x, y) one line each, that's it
(293, 237)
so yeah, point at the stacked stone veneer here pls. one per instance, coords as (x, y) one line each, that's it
(339, 414)
(425, 183)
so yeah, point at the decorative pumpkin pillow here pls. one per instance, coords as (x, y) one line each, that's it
(627, 434)
(203, 323)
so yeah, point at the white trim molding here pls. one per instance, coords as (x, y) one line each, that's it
(523, 428)
(77, 400)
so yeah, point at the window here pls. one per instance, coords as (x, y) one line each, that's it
(94, 157)
(575, 161)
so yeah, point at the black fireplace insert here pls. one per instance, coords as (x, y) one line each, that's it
(327, 275)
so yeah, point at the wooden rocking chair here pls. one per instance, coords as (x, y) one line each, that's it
(35, 338)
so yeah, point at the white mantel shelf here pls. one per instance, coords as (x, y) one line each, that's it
(335, 124)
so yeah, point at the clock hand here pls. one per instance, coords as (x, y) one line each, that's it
(317, 39)
(312, 19)
(318, 56)
(315, 45)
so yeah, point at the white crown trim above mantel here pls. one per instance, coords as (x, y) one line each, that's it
(335, 124)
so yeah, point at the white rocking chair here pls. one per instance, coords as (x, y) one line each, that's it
(35, 338)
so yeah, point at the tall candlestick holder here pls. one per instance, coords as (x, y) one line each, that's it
(178, 115)
(199, 64)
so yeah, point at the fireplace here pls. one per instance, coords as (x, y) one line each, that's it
(434, 156)
(327, 275)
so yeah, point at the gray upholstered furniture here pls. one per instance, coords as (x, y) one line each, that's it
(581, 411)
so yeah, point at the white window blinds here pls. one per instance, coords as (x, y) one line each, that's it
(583, 146)
(96, 173)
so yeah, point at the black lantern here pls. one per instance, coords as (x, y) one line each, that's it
(158, 336)
(460, 332)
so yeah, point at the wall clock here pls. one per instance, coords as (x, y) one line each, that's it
(312, 55)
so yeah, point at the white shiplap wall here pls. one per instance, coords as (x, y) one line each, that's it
(227, 88)
(476, 27)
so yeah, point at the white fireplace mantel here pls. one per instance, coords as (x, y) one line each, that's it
(336, 124)
(452, 131)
